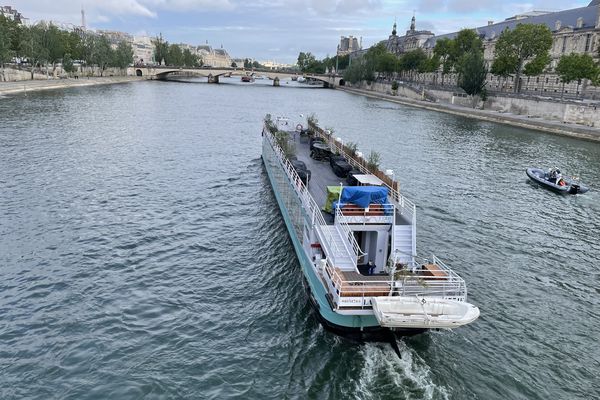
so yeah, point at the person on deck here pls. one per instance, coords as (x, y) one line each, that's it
(371, 267)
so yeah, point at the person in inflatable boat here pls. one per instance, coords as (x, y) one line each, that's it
(556, 177)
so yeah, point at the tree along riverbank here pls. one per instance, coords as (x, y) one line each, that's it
(523, 121)
(36, 85)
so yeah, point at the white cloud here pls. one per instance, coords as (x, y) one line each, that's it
(189, 5)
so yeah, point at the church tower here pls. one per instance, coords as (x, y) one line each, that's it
(412, 24)
(394, 29)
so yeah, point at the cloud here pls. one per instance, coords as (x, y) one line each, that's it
(491, 6)
(189, 5)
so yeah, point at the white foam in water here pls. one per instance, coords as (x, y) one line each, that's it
(384, 374)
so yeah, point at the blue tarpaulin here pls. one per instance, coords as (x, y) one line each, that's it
(362, 196)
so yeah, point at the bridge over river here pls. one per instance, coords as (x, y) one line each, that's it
(213, 74)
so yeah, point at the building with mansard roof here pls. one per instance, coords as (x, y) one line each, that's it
(574, 31)
(412, 40)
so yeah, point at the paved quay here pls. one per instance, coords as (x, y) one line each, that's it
(556, 127)
(35, 85)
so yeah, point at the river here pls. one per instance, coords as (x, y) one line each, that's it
(143, 255)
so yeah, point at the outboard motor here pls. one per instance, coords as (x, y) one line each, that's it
(574, 189)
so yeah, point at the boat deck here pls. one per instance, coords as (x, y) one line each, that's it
(322, 176)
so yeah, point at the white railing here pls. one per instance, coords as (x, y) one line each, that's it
(314, 211)
(346, 233)
(442, 282)
(374, 214)
(406, 207)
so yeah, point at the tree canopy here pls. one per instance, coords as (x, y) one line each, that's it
(575, 67)
(472, 78)
(524, 49)
(44, 44)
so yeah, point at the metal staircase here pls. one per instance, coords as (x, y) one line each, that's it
(404, 247)
(336, 247)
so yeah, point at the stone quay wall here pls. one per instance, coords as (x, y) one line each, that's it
(13, 74)
(567, 111)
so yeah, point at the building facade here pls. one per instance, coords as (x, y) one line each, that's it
(574, 31)
(412, 40)
(218, 58)
(11, 13)
(143, 50)
(348, 45)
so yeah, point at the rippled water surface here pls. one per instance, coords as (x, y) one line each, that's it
(142, 253)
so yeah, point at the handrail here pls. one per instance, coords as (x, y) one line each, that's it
(398, 199)
(344, 290)
(347, 233)
(303, 194)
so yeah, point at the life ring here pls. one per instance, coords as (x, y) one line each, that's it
(299, 128)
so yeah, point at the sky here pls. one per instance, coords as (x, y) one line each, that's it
(278, 30)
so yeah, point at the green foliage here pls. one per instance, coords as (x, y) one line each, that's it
(174, 56)
(247, 63)
(444, 52)
(102, 53)
(312, 120)
(472, 76)
(269, 124)
(360, 70)
(413, 60)
(161, 49)
(395, 85)
(123, 55)
(6, 48)
(189, 59)
(449, 52)
(338, 63)
(352, 148)
(386, 63)
(233, 64)
(373, 161)
(524, 49)
(430, 64)
(575, 67)
(466, 41)
(307, 62)
(67, 63)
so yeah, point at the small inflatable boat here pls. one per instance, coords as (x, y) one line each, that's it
(565, 185)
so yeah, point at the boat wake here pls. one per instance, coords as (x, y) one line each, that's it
(385, 375)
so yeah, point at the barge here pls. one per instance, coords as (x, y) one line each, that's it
(355, 237)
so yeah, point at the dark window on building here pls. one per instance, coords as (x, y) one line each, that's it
(546, 80)
(564, 45)
(588, 41)
(537, 80)
(557, 81)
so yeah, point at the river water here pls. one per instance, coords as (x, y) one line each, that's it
(142, 253)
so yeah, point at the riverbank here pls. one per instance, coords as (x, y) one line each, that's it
(522, 121)
(36, 85)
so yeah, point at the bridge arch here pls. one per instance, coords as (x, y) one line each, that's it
(138, 72)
